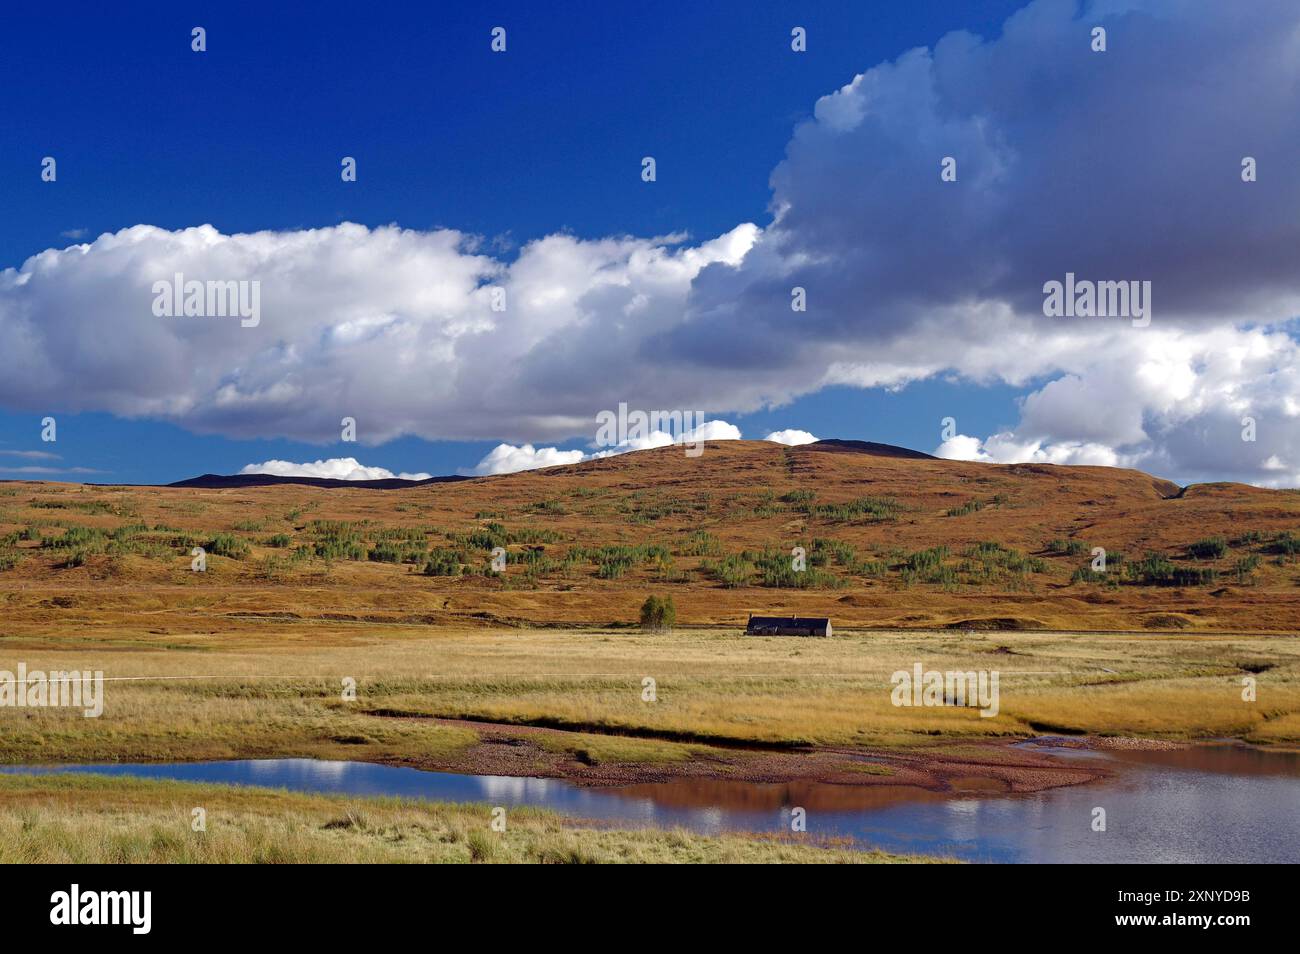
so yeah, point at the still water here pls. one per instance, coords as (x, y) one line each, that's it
(1221, 803)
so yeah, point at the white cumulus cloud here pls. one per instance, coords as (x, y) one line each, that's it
(336, 468)
(508, 459)
(791, 436)
(1006, 448)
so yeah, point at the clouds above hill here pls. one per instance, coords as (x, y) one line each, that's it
(336, 468)
(1115, 166)
(392, 327)
(508, 459)
(791, 436)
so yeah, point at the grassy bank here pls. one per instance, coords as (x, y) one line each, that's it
(92, 819)
(277, 692)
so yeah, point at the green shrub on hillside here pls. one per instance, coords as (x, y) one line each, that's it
(443, 562)
(77, 538)
(873, 509)
(731, 571)
(1085, 574)
(1211, 548)
(776, 568)
(1065, 547)
(229, 545)
(1285, 543)
(701, 543)
(824, 550)
(1245, 568)
(1155, 569)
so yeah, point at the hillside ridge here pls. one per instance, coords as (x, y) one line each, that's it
(888, 540)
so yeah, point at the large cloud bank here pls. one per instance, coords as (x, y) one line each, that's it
(1115, 166)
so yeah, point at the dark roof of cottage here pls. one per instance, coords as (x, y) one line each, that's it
(798, 621)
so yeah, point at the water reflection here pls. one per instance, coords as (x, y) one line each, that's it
(1222, 803)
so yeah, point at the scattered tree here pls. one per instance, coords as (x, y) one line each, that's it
(658, 614)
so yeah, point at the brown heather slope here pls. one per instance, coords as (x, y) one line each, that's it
(742, 496)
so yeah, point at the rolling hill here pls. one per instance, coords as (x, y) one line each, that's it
(891, 538)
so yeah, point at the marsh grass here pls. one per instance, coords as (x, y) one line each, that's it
(101, 820)
(281, 699)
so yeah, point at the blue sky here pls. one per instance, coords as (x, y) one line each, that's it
(544, 139)
(541, 139)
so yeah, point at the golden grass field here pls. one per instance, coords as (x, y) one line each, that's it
(282, 694)
(307, 586)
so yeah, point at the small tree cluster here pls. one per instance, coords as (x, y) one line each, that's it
(658, 614)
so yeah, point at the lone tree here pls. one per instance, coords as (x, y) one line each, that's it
(658, 614)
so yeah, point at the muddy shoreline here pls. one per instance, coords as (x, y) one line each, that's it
(979, 766)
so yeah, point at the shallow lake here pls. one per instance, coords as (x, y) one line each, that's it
(1220, 803)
